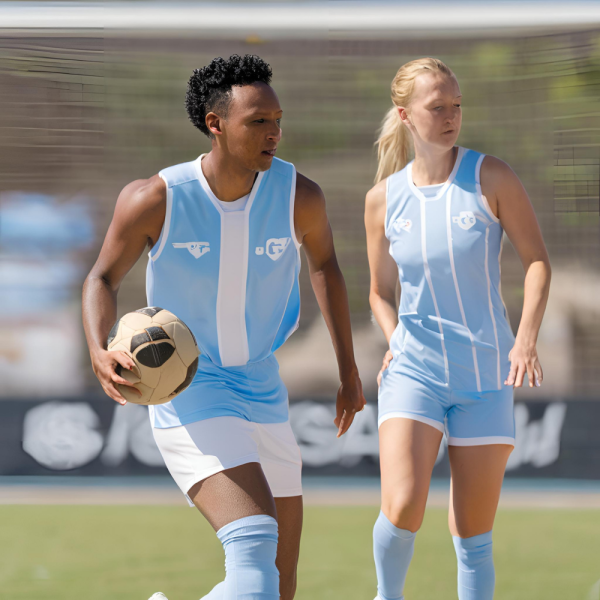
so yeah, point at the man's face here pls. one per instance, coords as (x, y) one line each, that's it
(252, 129)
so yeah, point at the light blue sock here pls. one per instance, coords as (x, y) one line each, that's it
(476, 575)
(250, 550)
(392, 549)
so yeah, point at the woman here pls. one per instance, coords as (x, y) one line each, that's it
(436, 223)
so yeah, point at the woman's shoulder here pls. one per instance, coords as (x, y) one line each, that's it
(376, 196)
(494, 167)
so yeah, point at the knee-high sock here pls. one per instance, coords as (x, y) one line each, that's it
(392, 549)
(250, 550)
(476, 575)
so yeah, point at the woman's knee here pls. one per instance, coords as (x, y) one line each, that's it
(404, 513)
(470, 530)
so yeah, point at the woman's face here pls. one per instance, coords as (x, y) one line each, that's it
(434, 113)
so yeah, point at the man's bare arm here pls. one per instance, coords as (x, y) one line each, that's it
(137, 222)
(314, 232)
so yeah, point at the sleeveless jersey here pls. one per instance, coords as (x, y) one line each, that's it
(453, 325)
(232, 278)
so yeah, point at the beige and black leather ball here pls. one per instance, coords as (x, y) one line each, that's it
(164, 350)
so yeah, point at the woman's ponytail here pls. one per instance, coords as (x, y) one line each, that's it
(393, 145)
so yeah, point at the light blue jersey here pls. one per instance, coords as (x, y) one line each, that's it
(232, 278)
(452, 325)
(453, 337)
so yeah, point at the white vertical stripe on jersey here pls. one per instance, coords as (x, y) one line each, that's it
(500, 276)
(487, 207)
(489, 283)
(231, 294)
(233, 274)
(430, 284)
(164, 234)
(456, 287)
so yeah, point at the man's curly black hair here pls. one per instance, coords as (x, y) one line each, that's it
(209, 88)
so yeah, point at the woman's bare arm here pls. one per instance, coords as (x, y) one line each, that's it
(384, 272)
(510, 202)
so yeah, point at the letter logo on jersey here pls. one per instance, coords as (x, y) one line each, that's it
(274, 247)
(196, 249)
(402, 224)
(465, 220)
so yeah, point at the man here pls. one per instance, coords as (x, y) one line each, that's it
(225, 232)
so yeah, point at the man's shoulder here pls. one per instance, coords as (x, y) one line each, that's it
(143, 197)
(309, 194)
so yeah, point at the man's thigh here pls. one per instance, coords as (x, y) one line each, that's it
(233, 494)
(215, 462)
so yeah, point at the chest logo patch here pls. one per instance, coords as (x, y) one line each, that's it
(402, 224)
(196, 249)
(465, 220)
(274, 247)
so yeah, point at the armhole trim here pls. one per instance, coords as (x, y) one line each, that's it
(484, 200)
(164, 234)
(386, 219)
(292, 207)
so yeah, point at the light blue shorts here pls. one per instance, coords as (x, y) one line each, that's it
(467, 418)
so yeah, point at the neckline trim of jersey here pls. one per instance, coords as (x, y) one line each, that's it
(215, 201)
(419, 193)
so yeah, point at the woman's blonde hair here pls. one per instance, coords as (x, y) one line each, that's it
(393, 143)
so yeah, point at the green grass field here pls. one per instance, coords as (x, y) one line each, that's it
(127, 553)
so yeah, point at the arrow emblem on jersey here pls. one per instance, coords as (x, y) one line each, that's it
(196, 249)
(275, 247)
(402, 224)
(465, 220)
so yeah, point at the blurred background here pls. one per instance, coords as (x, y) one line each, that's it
(92, 97)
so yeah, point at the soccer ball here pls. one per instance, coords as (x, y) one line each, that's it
(163, 349)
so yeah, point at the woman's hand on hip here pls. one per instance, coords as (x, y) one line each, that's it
(387, 359)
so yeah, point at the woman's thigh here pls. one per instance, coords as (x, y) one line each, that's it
(477, 474)
(408, 450)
